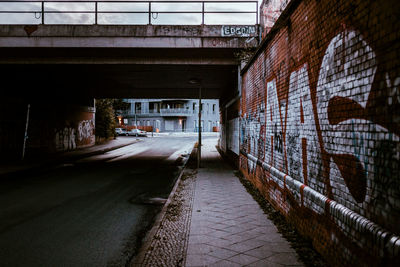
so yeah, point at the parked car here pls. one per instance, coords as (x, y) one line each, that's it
(137, 132)
(121, 131)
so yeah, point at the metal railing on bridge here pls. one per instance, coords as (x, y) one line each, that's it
(129, 12)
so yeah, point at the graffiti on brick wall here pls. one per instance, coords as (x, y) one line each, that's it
(85, 130)
(393, 86)
(303, 152)
(252, 138)
(65, 139)
(362, 151)
(335, 70)
(252, 130)
(274, 132)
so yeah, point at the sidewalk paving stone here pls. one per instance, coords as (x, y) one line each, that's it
(228, 228)
(243, 259)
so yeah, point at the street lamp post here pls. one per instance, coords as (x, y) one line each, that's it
(199, 142)
(197, 82)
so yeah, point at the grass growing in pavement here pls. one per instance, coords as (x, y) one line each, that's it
(303, 246)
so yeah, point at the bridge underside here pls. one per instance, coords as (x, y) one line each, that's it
(118, 72)
(57, 71)
(122, 61)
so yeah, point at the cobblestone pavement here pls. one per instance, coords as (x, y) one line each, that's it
(168, 245)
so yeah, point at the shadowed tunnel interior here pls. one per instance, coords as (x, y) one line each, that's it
(117, 81)
(118, 73)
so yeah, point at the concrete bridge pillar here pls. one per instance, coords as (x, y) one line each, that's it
(52, 126)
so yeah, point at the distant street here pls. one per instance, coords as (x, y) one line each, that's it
(92, 212)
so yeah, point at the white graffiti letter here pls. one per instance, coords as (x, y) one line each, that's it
(344, 84)
(302, 146)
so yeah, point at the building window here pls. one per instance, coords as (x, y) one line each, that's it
(138, 108)
(202, 108)
(213, 107)
(154, 107)
(208, 108)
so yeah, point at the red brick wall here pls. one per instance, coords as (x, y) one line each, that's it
(320, 125)
(270, 10)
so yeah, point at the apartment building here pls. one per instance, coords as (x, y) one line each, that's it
(173, 115)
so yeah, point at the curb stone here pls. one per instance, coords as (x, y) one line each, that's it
(145, 253)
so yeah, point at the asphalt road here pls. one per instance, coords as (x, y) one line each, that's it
(92, 212)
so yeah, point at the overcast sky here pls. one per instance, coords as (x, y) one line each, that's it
(126, 18)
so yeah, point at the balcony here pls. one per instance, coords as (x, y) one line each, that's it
(174, 112)
(164, 112)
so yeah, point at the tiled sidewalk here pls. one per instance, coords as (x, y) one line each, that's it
(228, 228)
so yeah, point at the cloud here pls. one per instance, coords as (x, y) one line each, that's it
(126, 13)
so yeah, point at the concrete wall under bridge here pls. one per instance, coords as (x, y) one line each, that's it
(319, 126)
(51, 127)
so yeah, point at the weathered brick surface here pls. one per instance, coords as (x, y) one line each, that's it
(320, 125)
